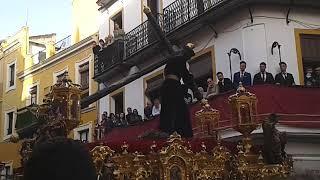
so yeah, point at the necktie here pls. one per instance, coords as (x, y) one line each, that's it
(284, 75)
(264, 77)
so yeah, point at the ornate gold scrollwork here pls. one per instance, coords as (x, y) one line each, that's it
(208, 119)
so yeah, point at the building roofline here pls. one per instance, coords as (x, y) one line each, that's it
(56, 58)
(43, 36)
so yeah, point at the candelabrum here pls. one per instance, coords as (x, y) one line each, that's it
(248, 164)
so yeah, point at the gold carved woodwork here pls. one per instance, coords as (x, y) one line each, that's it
(174, 161)
(208, 119)
(177, 161)
(244, 110)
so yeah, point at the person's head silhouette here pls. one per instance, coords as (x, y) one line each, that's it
(60, 159)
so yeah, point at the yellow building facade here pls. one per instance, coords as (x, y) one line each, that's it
(29, 65)
(85, 19)
(25, 81)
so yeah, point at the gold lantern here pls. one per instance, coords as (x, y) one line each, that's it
(244, 111)
(208, 119)
(65, 98)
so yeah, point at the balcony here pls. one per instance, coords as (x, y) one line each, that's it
(174, 16)
(26, 123)
(47, 52)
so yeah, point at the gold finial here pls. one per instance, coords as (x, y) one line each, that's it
(241, 89)
(125, 147)
(146, 9)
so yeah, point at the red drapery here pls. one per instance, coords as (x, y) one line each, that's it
(298, 107)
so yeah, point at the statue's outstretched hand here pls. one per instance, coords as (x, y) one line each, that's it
(190, 45)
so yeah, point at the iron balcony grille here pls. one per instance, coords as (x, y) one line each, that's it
(111, 55)
(41, 56)
(63, 44)
(177, 14)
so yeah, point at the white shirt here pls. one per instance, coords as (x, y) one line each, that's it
(156, 111)
(242, 74)
(265, 76)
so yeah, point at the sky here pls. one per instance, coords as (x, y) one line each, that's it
(44, 17)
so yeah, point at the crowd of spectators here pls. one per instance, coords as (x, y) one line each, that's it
(131, 118)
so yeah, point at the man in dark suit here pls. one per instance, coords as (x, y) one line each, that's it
(284, 78)
(225, 84)
(263, 77)
(242, 76)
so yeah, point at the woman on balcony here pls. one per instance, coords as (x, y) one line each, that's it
(174, 114)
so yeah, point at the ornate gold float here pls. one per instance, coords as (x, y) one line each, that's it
(176, 160)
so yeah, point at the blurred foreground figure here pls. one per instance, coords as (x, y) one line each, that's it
(60, 159)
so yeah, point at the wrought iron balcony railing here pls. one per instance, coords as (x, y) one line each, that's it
(109, 56)
(58, 46)
(63, 44)
(177, 14)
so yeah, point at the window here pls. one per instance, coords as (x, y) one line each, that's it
(153, 86)
(84, 80)
(84, 135)
(12, 70)
(117, 19)
(201, 68)
(117, 103)
(310, 47)
(60, 76)
(11, 76)
(34, 95)
(84, 76)
(9, 123)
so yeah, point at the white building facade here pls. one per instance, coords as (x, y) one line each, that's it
(252, 37)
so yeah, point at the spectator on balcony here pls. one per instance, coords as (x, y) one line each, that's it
(102, 44)
(108, 40)
(107, 122)
(104, 122)
(156, 109)
(118, 33)
(95, 48)
(224, 84)
(284, 78)
(212, 89)
(317, 77)
(187, 96)
(129, 116)
(115, 120)
(242, 76)
(122, 120)
(263, 77)
(148, 111)
(136, 118)
(201, 91)
(309, 78)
